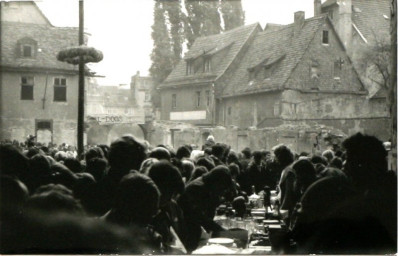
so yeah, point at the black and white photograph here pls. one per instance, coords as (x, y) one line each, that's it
(213, 127)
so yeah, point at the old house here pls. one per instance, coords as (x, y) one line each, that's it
(285, 74)
(38, 92)
(188, 93)
(141, 88)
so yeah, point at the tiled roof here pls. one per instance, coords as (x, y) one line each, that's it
(50, 40)
(232, 39)
(372, 18)
(280, 46)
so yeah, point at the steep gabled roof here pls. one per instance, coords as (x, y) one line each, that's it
(372, 18)
(281, 46)
(232, 41)
(50, 40)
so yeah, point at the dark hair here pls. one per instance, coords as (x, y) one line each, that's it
(95, 152)
(219, 178)
(33, 151)
(317, 159)
(167, 178)
(54, 198)
(366, 159)
(105, 150)
(232, 157)
(247, 152)
(257, 155)
(305, 172)
(187, 168)
(160, 153)
(60, 174)
(198, 172)
(73, 164)
(136, 200)
(39, 172)
(126, 153)
(182, 152)
(284, 155)
(13, 194)
(234, 169)
(206, 162)
(97, 168)
(217, 150)
(337, 163)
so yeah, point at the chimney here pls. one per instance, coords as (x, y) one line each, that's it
(317, 8)
(345, 23)
(299, 18)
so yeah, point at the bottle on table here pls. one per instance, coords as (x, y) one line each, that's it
(254, 198)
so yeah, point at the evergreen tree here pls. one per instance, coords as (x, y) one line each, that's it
(232, 14)
(176, 19)
(162, 54)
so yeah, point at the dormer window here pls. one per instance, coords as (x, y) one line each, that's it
(190, 69)
(26, 48)
(337, 67)
(207, 65)
(325, 37)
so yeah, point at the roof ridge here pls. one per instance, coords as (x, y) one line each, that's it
(228, 31)
(255, 25)
(305, 50)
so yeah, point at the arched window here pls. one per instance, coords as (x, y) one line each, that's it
(26, 48)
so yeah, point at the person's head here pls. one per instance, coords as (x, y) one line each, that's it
(217, 150)
(136, 200)
(105, 150)
(39, 172)
(73, 164)
(95, 152)
(283, 155)
(239, 206)
(146, 165)
(196, 154)
(305, 174)
(34, 151)
(126, 153)
(168, 180)
(206, 162)
(247, 153)
(336, 163)
(257, 157)
(317, 159)
(365, 160)
(12, 162)
(60, 156)
(232, 157)
(54, 198)
(218, 180)
(198, 172)
(187, 169)
(234, 169)
(328, 154)
(60, 174)
(207, 151)
(97, 168)
(266, 155)
(183, 152)
(160, 153)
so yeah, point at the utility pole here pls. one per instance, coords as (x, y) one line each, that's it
(80, 114)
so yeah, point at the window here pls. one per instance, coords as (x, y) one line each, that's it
(190, 70)
(147, 96)
(27, 83)
(229, 110)
(207, 98)
(337, 67)
(59, 89)
(207, 66)
(330, 14)
(325, 37)
(267, 72)
(27, 51)
(197, 99)
(26, 48)
(174, 101)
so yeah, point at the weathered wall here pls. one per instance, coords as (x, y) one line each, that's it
(186, 101)
(19, 116)
(106, 134)
(19, 11)
(260, 110)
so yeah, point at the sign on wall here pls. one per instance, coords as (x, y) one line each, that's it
(188, 115)
(118, 119)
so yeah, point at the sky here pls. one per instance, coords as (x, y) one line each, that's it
(121, 29)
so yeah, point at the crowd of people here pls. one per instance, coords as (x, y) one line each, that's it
(134, 198)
